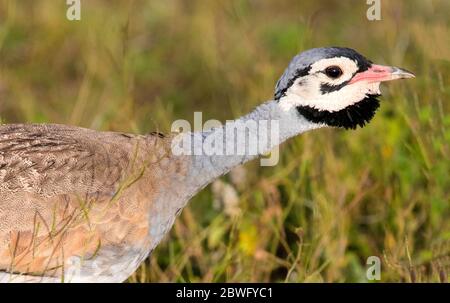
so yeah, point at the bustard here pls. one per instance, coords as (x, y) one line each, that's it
(83, 205)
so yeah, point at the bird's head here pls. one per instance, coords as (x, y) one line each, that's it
(334, 86)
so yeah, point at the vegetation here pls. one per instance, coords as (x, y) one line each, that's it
(336, 197)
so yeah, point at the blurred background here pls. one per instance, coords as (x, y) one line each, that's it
(336, 197)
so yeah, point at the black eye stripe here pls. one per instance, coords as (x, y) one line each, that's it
(326, 88)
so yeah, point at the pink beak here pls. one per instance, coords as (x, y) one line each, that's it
(380, 73)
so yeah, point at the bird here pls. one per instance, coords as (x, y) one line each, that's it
(80, 205)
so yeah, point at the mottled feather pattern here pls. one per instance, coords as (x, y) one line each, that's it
(68, 192)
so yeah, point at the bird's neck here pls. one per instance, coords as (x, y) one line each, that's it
(238, 141)
(216, 151)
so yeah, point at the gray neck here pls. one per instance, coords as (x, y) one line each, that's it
(203, 168)
(249, 137)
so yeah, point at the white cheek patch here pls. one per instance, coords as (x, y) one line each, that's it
(333, 101)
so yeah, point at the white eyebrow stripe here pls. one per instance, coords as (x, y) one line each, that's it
(348, 66)
(342, 62)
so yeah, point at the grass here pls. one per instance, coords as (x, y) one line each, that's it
(336, 197)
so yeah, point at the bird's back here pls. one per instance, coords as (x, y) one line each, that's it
(71, 193)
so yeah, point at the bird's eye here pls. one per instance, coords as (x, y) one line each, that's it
(333, 72)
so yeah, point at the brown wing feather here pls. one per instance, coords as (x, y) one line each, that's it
(66, 191)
